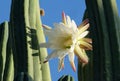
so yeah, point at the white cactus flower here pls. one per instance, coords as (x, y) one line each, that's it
(67, 39)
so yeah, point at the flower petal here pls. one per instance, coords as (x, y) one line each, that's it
(46, 27)
(85, 45)
(73, 66)
(71, 59)
(63, 18)
(81, 54)
(83, 34)
(74, 26)
(86, 21)
(84, 28)
(60, 28)
(88, 40)
(50, 45)
(50, 56)
(61, 64)
(68, 21)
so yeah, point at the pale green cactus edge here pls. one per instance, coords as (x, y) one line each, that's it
(105, 31)
(6, 55)
(20, 55)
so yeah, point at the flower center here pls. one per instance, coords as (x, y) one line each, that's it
(68, 42)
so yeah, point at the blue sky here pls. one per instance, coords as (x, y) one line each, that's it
(53, 9)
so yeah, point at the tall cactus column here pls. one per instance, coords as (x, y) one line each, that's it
(105, 32)
(20, 42)
(6, 54)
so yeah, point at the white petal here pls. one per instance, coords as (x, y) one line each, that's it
(83, 34)
(71, 56)
(46, 27)
(48, 32)
(52, 55)
(63, 53)
(83, 28)
(50, 45)
(68, 21)
(81, 54)
(58, 26)
(71, 59)
(61, 29)
(58, 30)
(74, 26)
(57, 53)
(61, 64)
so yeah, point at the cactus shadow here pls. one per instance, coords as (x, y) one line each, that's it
(34, 40)
(22, 76)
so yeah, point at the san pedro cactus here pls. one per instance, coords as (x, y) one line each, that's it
(66, 78)
(6, 55)
(105, 31)
(20, 55)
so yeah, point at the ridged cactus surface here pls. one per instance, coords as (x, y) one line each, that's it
(105, 31)
(21, 59)
(6, 54)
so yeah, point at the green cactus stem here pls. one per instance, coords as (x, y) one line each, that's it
(6, 55)
(21, 58)
(28, 34)
(105, 27)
